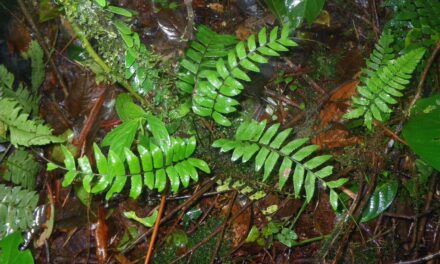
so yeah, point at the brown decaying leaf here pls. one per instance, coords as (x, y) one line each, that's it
(331, 114)
(101, 234)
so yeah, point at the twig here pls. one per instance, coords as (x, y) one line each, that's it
(223, 229)
(156, 228)
(283, 99)
(183, 206)
(43, 45)
(421, 260)
(423, 78)
(213, 234)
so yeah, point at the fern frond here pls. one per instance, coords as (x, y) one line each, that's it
(202, 54)
(37, 64)
(16, 208)
(270, 148)
(22, 130)
(138, 70)
(154, 162)
(28, 101)
(21, 169)
(213, 93)
(381, 55)
(380, 90)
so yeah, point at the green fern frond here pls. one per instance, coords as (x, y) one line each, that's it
(253, 139)
(28, 101)
(21, 169)
(381, 55)
(202, 54)
(213, 92)
(154, 162)
(16, 209)
(22, 130)
(380, 90)
(35, 53)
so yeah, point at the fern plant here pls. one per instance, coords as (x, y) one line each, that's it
(16, 209)
(252, 138)
(21, 169)
(202, 54)
(29, 101)
(214, 90)
(22, 130)
(383, 53)
(150, 167)
(380, 89)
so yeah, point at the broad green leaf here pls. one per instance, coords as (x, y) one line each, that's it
(157, 155)
(127, 110)
(101, 160)
(317, 161)
(158, 129)
(422, 131)
(293, 145)
(280, 138)
(269, 134)
(305, 152)
(380, 200)
(102, 3)
(86, 170)
(10, 252)
(190, 146)
(121, 137)
(220, 119)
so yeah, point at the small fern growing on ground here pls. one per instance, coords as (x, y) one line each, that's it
(16, 209)
(379, 90)
(252, 138)
(153, 163)
(214, 89)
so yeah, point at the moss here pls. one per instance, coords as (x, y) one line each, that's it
(173, 247)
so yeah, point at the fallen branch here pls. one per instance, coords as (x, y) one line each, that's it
(156, 228)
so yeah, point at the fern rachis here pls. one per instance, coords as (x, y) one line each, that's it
(380, 89)
(157, 162)
(253, 139)
(214, 92)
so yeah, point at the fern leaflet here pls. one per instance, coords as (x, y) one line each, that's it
(202, 54)
(21, 169)
(213, 93)
(22, 130)
(380, 89)
(16, 209)
(157, 162)
(252, 138)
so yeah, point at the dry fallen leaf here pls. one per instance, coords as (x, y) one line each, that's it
(331, 114)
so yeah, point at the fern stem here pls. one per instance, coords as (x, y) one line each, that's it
(88, 47)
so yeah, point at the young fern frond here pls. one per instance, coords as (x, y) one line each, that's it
(202, 54)
(154, 162)
(253, 139)
(381, 55)
(21, 169)
(16, 209)
(213, 93)
(379, 92)
(22, 130)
